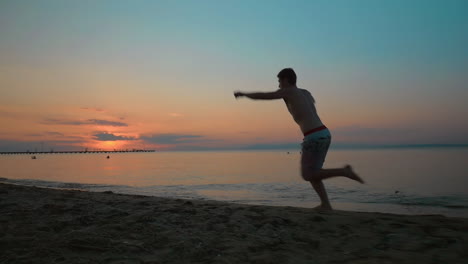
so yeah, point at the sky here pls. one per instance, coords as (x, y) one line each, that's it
(161, 74)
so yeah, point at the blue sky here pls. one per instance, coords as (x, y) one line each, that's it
(382, 72)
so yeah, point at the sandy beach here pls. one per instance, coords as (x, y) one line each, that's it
(39, 225)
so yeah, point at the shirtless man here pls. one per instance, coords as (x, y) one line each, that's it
(317, 137)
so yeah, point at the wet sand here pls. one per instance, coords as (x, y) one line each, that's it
(39, 225)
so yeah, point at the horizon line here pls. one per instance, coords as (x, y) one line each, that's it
(288, 146)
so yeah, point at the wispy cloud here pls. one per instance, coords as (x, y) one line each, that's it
(106, 122)
(34, 135)
(111, 137)
(101, 122)
(95, 109)
(175, 114)
(53, 133)
(46, 133)
(170, 138)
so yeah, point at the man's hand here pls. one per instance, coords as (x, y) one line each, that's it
(238, 94)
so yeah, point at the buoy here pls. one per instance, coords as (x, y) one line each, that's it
(108, 157)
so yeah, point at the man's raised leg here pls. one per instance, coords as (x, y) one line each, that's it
(346, 171)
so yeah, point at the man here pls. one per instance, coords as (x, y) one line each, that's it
(317, 137)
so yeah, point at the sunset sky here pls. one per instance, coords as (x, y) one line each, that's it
(161, 74)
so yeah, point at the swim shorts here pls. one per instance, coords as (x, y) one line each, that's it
(314, 150)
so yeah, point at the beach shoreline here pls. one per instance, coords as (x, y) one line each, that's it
(43, 225)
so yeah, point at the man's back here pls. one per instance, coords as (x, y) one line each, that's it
(300, 104)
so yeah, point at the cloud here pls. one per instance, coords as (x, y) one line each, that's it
(96, 109)
(56, 145)
(170, 138)
(53, 133)
(100, 122)
(111, 137)
(106, 122)
(34, 135)
(175, 114)
(47, 133)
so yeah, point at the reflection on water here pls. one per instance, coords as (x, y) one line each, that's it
(405, 180)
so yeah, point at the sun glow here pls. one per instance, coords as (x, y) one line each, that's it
(108, 145)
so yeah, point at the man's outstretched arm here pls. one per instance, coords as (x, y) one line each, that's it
(278, 94)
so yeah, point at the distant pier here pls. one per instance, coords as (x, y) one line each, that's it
(75, 152)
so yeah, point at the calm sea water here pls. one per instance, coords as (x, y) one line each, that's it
(405, 181)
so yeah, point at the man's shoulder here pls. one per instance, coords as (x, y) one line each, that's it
(284, 91)
(291, 92)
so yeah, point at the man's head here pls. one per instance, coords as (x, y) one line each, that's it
(287, 77)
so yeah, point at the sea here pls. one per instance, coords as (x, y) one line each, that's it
(414, 181)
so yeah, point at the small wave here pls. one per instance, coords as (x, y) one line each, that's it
(54, 184)
(265, 193)
(452, 202)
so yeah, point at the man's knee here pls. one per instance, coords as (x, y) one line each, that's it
(311, 174)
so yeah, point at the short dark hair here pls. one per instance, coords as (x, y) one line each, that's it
(289, 75)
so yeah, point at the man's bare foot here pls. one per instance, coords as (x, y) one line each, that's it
(350, 174)
(323, 208)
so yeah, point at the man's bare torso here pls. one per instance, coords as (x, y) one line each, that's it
(300, 104)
